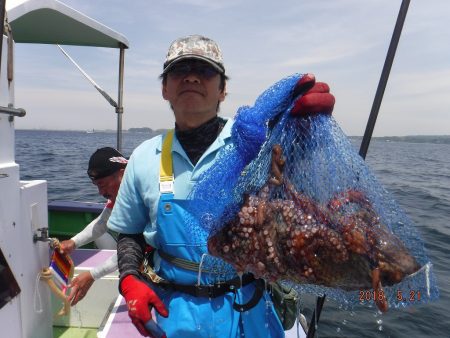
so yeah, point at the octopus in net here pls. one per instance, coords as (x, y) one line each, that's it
(295, 238)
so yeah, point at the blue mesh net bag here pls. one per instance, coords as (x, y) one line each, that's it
(290, 200)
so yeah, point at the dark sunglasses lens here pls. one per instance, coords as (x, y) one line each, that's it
(207, 72)
(180, 70)
(203, 70)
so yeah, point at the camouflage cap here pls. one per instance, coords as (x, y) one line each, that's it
(194, 47)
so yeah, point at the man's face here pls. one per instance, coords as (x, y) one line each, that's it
(108, 186)
(194, 92)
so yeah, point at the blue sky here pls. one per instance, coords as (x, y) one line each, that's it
(343, 42)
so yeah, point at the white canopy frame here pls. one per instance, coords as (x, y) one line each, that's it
(52, 22)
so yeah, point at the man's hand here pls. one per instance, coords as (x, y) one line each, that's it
(79, 287)
(314, 97)
(140, 299)
(66, 247)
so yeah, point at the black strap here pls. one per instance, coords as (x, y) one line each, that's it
(220, 289)
(212, 290)
(259, 291)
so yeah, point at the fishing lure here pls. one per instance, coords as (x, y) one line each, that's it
(58, 275)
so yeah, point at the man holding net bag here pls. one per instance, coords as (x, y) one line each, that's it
(151, 208)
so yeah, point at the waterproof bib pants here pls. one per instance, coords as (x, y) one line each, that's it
(191, 316)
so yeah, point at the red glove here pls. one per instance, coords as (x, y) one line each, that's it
(140, 299)
(315, 97)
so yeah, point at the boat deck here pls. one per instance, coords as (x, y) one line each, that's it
(103, 313)
(119, 324)
(73, 332)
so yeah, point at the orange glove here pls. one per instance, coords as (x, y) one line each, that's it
(314, 97)
(140, 299)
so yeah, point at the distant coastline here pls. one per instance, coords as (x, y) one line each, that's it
(129, 130)
(437, 139)
(146, 130)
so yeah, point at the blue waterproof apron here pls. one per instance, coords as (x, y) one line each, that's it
(191, 316)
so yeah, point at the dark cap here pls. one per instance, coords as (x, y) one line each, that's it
(104, 162)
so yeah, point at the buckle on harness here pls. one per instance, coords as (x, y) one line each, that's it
(211, 291)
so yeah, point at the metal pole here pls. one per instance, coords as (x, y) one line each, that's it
(119, 109)
(314, 320)
(384, 78)
(2, 18)
(96, 86)
(371, 123)
(19, 112)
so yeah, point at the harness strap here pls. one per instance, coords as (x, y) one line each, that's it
(166, 168)
(181, 262)
(219, 289)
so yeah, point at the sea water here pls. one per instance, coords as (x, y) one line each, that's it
(416, 170)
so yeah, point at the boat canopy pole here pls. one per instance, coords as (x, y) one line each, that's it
(100, 90)
(370, 124)
(2, 18)
(119, 107)
(384, 78)
(10, 110)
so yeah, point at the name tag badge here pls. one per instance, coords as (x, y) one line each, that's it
(166, 187)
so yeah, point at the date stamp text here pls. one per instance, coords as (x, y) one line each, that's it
(401, 296)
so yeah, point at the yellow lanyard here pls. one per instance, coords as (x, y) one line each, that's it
(166, 167)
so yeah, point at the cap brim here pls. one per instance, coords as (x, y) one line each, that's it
(96, 174)
(169, 65)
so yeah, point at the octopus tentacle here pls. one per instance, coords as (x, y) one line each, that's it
(277, 166)
(380, 298)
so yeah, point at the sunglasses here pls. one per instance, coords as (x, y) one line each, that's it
(203, 70)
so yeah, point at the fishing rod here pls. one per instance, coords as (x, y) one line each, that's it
(370, 124)
(384, 78)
